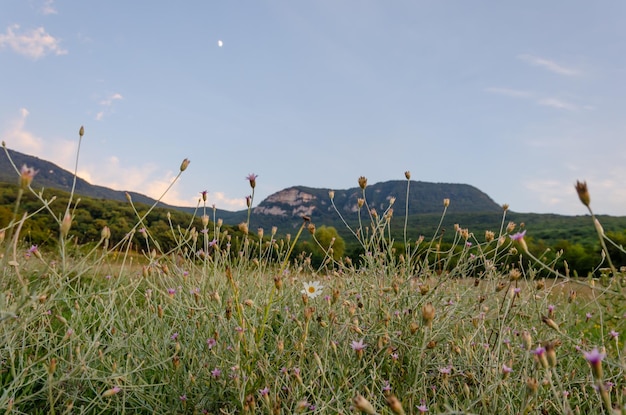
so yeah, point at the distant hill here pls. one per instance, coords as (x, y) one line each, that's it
(469, 206)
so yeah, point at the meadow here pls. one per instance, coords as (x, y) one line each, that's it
(236, 324)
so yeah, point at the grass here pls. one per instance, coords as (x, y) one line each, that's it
(202, 329)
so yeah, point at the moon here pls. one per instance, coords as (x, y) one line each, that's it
(220, 43)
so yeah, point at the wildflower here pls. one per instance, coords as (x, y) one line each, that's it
(171, 291)
(422, 408)
(362, 182)
(252, 179)
(184, 165)
(363, 405)
(174, 336)
(26, 176)
(358, 347)
(216, 373)
(312, 289)
(614, 334)
(519, 236)
(204, 194)
(594, 358)
(183, 398)
(506, 370)
(587, 316)
(213, 242)
(583, 193)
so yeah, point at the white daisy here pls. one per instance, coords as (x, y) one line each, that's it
(312, 289)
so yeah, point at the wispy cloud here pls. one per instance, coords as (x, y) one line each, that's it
(48, 7)
(107, 104)
(545, 101)
(558, 104)
(549, 65)
(513, 93)
(34, 44)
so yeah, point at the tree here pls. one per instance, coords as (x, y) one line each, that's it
(328, 237)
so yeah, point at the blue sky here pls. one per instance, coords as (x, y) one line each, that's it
(519, 99)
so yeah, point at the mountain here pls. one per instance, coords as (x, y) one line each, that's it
(469, 207)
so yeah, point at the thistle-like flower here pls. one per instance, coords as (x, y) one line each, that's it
(252, 179)
(26, 176)
(595, 358)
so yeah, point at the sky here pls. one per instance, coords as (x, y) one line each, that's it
(519, 99)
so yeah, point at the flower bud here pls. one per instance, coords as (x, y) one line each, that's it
(66, 224)
(407, 174)
(81, 131)
(184, 164)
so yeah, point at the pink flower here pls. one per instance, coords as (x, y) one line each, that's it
(518, 236)
(358, 346)
(252, 179)
(594, 357)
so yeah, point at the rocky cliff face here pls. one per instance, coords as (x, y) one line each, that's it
(288, 202)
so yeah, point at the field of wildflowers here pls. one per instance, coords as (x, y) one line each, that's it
(202, 329)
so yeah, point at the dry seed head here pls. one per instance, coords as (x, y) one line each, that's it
(489, 236)
(505, 207)
(360, 202)
(205, 221)
(428, 314)
(395, 405)
(407, 174)
(81, 131)
(583, 193)
(514, 274)
(363, 405)
(362, 182)
(446, 202)
(510, 227)
(531, 386)
(243, 227)
(311, 228)
(331, 194)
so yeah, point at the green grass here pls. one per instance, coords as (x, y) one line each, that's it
(219, 324)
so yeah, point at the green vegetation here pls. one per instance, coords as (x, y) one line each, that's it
(135, 310)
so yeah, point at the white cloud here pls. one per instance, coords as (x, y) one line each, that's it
(549, 65)
(34, 44)
(59, 151)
